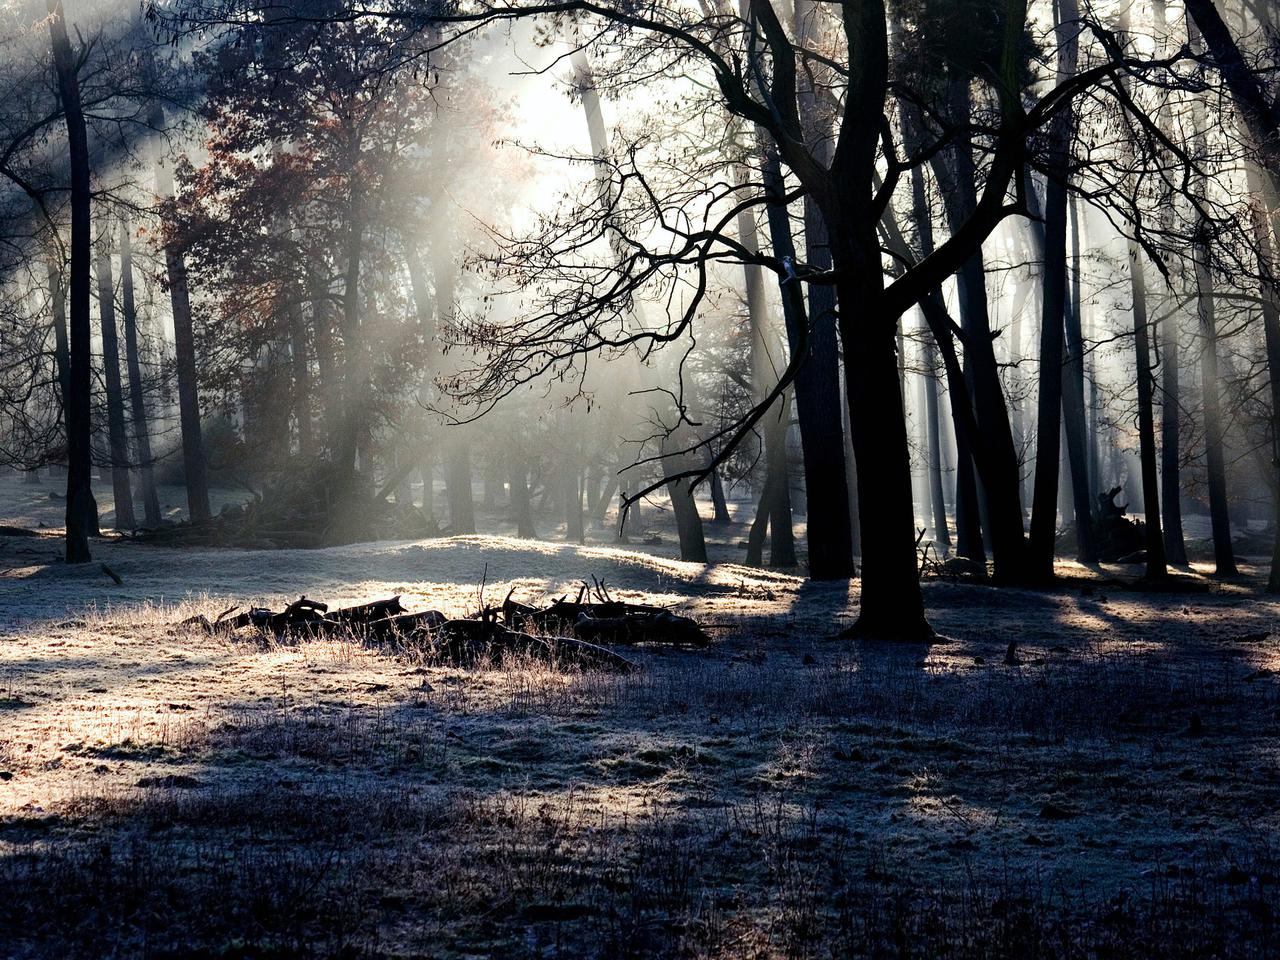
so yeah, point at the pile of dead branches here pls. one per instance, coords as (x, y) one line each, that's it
(566, 632)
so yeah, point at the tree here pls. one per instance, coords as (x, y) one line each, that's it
(79, 494)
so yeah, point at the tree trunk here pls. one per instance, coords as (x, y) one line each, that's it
(766, 362)
(426, 470)
(693, 546)
(571, 483)
(830, 524)
(998, 469)
(137, 399)
(355, 372)
(329, 382)
(891, 605)
(301, 368)
(759, 525)
(941, 532)
(1156, 568)
(79, 494)
(968, 521)
(720, 506)
(601, 510)
(1211, 388)
(826, 497)
(1053, 309)
(462, 510)
(184, 349)
(520, 505)
(1073, 407)
(1264, 211)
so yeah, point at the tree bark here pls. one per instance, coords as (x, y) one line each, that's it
(571, 482)
(829, 528)
(775, 499)
(1044, 510)
(968, 516)
(1210, 386)
(79, 494)
(520, 505)
(719, 505)
(184, 349)
(1156, 568)
(816, 386)
(1264, 211)
(355, 394)
(457, 480)
(693, 545)
(1073, 407)
(137, 396)
(999, 493)
(1211, 390)
(941, 532)
(301, 368)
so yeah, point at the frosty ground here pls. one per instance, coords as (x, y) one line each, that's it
(1113, 793)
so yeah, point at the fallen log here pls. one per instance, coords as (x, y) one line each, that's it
(606, 621)
(660, 626)
(469, 643)
(367, 613)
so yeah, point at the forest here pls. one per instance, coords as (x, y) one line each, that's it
(640, 478)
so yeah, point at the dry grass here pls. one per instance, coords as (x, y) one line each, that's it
(781, 795)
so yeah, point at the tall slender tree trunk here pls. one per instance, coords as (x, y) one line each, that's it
(941, 532)
(61, 350)
(1210, 386)
(79, 494)
(766, 363)
(354, 371)
(1264, 211)
(1073, 406)
(300, 363)
(329, 380)
(1017, 412)
(829, 529)
(571, 482)
(1156, 568)
(184, 349)
(137, 397)
(520, 505)
(1211, 389)
(826, 496)
(1170, 394)
(968, 515)
(117, 435)
(1171, 439)
(457, 480)
(1044, 508)
(998, 469)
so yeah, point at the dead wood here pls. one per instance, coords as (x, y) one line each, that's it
(470, 642)
(594, 615)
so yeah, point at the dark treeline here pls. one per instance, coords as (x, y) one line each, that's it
(946, 278)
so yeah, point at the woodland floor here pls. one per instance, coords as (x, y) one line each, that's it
(165, 793)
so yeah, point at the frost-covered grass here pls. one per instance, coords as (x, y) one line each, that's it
(780, 794)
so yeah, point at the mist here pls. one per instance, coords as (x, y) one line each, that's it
(771, 479)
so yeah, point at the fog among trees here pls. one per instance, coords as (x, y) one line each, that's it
(888, 313)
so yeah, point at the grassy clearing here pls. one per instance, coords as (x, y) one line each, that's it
(1114, 794)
